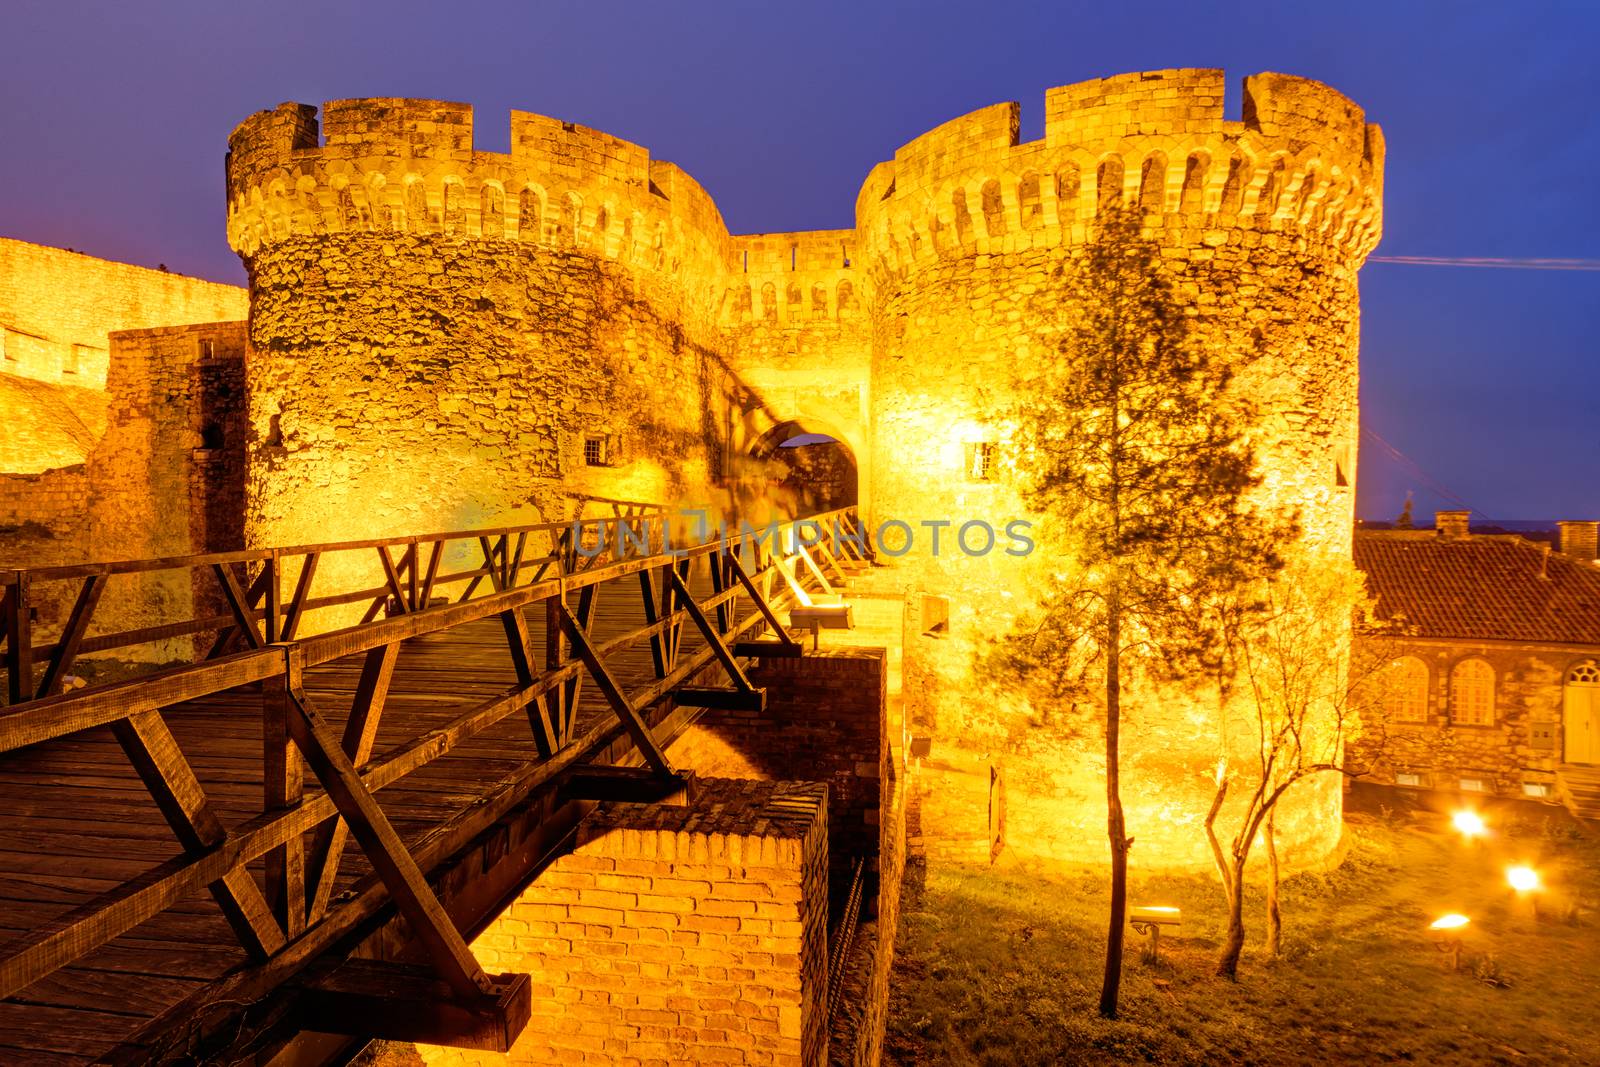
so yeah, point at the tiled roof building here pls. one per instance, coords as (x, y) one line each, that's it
(1490, 588)
(1494, 684)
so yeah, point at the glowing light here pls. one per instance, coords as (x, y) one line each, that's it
(1469, 823)
(1453, 921)
(1522, 879)
(786, 568)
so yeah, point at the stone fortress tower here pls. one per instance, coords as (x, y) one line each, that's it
(444, 337)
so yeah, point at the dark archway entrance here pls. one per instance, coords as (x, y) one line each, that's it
(809, 467)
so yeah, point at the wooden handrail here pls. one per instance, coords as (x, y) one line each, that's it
(264, 603)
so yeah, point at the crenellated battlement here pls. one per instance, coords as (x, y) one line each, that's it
(786, 278)
(410, 166)
(1301, 162)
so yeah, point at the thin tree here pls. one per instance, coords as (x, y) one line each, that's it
(1129, 449)
(1306, 693)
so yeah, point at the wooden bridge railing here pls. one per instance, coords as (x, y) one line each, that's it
(297, 919)
(259, 596)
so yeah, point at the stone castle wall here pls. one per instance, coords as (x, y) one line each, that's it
(57, 308)
(165, 478)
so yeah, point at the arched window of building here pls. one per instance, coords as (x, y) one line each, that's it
(1472, 693)
(1405, 690)
(529, 215)
(963, 217)
(492, 211)
(455, 207)
(1192, 200)
(1067, 185)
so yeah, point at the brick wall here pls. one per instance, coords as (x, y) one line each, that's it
(824, 722)
(673, 934)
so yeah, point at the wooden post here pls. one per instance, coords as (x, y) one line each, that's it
(19, 641)
(283, 786)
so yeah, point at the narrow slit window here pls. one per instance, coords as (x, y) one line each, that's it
(981, 460)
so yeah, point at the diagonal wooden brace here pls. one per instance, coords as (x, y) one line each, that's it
(713, 638)
(407, 885)
(614, 695)
(155, 755)
(784, 640)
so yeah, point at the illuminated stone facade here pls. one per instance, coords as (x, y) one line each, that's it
(442, 337)
(438, 330)
(1265, 222)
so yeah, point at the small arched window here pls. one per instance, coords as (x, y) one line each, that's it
(1472, 693)
(1405, 696)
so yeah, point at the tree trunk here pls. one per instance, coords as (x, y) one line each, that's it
(1115, 828)
(1228, 962)
(1274, 914)
(1231, 871)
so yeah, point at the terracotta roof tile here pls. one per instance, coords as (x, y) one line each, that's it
(1495, 588)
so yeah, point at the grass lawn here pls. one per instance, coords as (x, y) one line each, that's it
(1002, 965)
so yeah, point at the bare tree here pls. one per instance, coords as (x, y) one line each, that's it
(1306, 693)
(1129, 446)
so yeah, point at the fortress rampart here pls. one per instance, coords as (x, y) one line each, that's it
(409, 166)
(443, 336)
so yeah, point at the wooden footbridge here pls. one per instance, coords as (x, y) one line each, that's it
(176, 887)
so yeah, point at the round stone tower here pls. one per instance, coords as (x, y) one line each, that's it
(1266, 221)
(445, 338)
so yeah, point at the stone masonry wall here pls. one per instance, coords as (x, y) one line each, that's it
(168, 477)
(1523, 745)
(440, 332)
(675, 934)
(57, 308)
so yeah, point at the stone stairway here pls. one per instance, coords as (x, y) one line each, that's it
(1578, 786)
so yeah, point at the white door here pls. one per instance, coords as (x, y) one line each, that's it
(1580, 713)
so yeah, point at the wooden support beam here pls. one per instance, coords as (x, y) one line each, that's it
(771, 617)
(392, 577)
(732, 699)
(628, 785)
(405, 1002)
(282, 787)
(434, 556)
(546, 730)
(712, 637)
(72, 636)
(302, 592)
(572, 690)
(658, 648)
(239, 604)
(360, 732)
(614, 695)
(156, 758)
(384, 848)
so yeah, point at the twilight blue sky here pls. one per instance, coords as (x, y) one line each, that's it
(114, 119)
